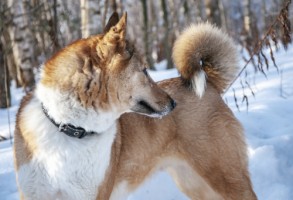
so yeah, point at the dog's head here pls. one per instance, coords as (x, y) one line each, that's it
(106, 73)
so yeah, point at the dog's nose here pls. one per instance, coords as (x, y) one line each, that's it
(173, 104)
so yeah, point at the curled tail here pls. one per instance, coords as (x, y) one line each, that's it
(204, 53)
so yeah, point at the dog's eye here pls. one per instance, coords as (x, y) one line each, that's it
(145, 71)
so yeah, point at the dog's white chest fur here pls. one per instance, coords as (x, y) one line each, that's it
(64, 167)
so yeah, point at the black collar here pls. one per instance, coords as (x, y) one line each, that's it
(68, 129)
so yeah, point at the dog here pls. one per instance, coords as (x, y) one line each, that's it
(97, 126)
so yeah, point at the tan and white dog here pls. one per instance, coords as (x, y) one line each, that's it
(85, 132)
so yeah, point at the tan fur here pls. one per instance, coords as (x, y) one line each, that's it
(200, 142)
(204, 133)
(204, 47)
(84, 72)
(25, 145)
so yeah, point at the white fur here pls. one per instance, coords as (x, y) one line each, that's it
(199, 83)
(182, 174)
(185, 176)
(60, 107)
(63, 167)
(120, 192)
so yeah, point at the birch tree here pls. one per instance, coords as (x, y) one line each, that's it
(6, 43)
(22, 40)
(213, 12)
(91, 17)
(70, 22)
(147, 49)
(167, 39)
(4, 81)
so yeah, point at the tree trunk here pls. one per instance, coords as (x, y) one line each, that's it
(201, 10)
(70, 23)
(222, 13)
(22, 47)
(250, 26)
(235, 20)
(104, 16)
(213, 12)
(53, 24)
(247, 16)
(14, 72)
(91, 17)
(186, 11)
(4, 81)
(147, 50)
(114, 5)
(167, 38)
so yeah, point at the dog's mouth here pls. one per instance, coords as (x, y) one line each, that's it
(145, 108)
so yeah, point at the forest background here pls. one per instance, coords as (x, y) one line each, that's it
(31, 31)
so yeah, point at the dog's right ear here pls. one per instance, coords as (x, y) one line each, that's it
(114, 19)
(114, 40)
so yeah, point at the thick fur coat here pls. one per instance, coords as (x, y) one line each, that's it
(101, 84)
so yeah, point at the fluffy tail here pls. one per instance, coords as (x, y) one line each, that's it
(204, 53)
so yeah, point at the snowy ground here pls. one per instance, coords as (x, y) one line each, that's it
(268, 122)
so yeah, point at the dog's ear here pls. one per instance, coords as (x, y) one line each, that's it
(114, 41)
(112, 22)
(116, 34)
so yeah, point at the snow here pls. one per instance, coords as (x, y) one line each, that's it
(5, 128)
(268, 127)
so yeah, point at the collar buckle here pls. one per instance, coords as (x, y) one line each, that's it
(72, 131)
(68, 129)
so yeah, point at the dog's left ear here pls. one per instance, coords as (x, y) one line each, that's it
(114, 40)
(114, 19)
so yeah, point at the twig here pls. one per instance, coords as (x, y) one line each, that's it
(259, 47)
